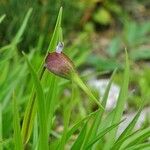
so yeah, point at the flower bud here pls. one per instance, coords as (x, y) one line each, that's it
(59, 64)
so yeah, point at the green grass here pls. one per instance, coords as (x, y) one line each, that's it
(49, 112)
(17, 132)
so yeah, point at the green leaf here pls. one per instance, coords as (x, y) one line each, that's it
(53, 83)
(57, 31)
(66, 116)
(127, 131)
(78, 124)
(143, 146)
(43, 137)
(2, 18)
(79, 141)
(136, 138)
(98, 117)
(131, 32)
(75, 78)
(114, 46)
(106, 121)
(51, 99)
(103, 64)
(22, 28)
(130, 127)
(29, 118)
(101, 134)
(16, 125)
(31, 106)
(140, 54)
(35, 133)
(1, 128)
(120, 104)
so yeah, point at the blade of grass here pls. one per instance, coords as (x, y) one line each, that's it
(56, 32)
(35, 134)
(6, 47)
(1, 128)
(120, 104)
(8, 79)
(98, 117)
(122, 140)
(51, 99)
(75, 78)
(18, 35)
(78, 124)
(31, 106)
(127, 131)
(43, 135)
(22, 28)
(143, 146)
(136, 138)
(29, 118)
(130, 127)
(66, 115)
(16, 125)
(79, 141)
(52, 93)
(101, 134)
(2, 18)
(6, 142)
(106, 121)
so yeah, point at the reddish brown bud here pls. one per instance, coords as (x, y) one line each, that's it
(59, 64)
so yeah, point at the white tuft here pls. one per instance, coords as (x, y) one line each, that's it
(59, 47)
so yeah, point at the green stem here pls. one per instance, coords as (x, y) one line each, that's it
(81, 84)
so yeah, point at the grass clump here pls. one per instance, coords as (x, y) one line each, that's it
(40, 106)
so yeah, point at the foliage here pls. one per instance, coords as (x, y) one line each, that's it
(43, 105)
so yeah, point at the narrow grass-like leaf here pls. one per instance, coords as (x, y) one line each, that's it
(6, 142)
(75, 78)
(2, 18)
(22, 28)
(31, 106)
(143, 146)
(60, 37)
(1, 128)
(79, 141)
(106, 121)
(18, 35)
(55, 37)
(127, 131)
(101, 134)
(105, 97)
(97, 121)
(120, 104)
(4, 48)
(28, 119)
(43, 137)
(130, 127)
(51, 97)
(136, 138)
(16, 125)
(35, 133)
(53, 89)
(56, 32)
(66, 116)
(78, 124)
